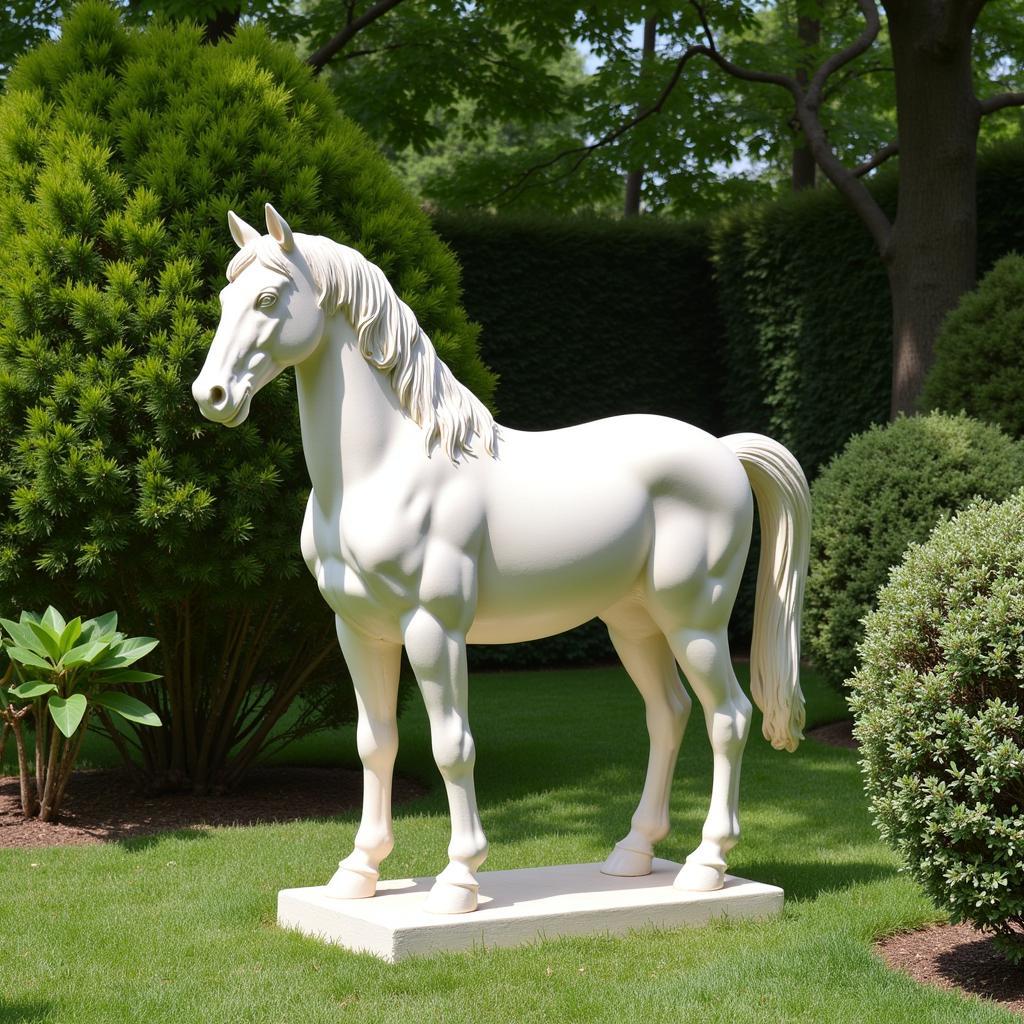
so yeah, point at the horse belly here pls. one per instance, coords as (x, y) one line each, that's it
(550, 565)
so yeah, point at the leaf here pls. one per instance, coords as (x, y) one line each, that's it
(129, 675)
(102, 626)
(26, 617)
(85, 653)
(53, 620)
(47, 642)
(19, 633)
(127, 652)
(67, 714)
(72, 631)
(32, 688)
(26, 657)
(127, 707)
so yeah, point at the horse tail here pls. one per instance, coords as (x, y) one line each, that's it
(784, 505)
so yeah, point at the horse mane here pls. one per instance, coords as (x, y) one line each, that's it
(389, 338)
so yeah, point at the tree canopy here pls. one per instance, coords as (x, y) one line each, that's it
(491, 103)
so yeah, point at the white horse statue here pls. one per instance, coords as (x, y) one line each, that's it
(431, 526)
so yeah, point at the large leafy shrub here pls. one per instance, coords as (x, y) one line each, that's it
(939, 702)
(979, 354)
(888, 487)
(121, 152)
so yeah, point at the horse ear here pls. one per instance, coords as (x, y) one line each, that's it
(241, 232)
(277, 228)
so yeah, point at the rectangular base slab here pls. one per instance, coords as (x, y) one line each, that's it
(517, 907)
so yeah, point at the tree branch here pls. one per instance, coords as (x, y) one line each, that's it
(877, 159)
(846, 181)
(371, 50)
(872, 25)
(353, 27)
(850, 74)
(1007, 99)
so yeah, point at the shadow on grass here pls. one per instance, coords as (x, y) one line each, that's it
(136, 844)
(24, 1011)
(806, 880)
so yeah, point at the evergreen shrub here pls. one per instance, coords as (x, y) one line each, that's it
(888, 487)
(939, 706)
(121, 153)
(979, 354)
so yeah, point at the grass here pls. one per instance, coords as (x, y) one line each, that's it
(180, 928)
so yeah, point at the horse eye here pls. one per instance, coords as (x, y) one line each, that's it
(266, 300)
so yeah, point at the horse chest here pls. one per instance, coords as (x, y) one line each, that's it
(366, 561)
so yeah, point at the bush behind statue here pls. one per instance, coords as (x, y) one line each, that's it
(120, 155)
(888, 487)
(979, 354)
(939, 702)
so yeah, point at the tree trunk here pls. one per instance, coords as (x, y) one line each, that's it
(933, 250)
(803, 167)
(635, 178)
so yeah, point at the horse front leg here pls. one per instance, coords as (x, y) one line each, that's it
(438, 657)
(374, 666)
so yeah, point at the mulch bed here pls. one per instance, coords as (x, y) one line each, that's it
(104, 806)
(956, 956)
(835, 734)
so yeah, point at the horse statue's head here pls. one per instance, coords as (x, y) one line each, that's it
(271, 318)
(284, 296)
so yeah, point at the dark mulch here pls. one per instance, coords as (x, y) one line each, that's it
(956, 956)
(104, 806)
(835, 734)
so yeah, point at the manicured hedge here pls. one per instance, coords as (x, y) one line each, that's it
(774, 317)
(805, 303)
(590, 318)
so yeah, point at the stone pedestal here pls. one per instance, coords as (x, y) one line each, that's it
(517, 907)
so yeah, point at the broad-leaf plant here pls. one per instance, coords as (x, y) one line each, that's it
(61, 674)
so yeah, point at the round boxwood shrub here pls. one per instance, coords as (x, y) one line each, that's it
(979, 353)
(890, 486)
(939, 703)
(121, 152)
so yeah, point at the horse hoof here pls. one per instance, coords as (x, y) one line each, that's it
(627, 863)
(351, 885)
(694, 877)
(445, 898)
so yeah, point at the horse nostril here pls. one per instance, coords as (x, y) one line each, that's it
(217, 394)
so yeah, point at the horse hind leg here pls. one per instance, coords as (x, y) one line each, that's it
(704, 658)
(651, 665)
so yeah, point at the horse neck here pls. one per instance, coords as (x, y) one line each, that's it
(349, 413)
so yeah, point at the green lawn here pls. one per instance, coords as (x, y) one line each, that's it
(181, 927)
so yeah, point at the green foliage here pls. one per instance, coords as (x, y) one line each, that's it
(887, 488)
(978, 365)
(939, 700)
(121, 152)
(63, 671)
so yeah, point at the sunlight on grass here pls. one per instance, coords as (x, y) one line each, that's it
(180, 928)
